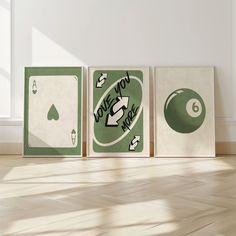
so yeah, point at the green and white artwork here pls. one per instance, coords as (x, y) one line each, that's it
(184, 112)
(53, 111)
(118, 112)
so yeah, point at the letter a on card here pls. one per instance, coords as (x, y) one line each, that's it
(118, 106)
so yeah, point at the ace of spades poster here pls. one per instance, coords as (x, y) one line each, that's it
(53, 111)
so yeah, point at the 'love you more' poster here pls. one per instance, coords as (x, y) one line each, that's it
(118, 105)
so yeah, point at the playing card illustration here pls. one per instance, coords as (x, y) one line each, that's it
(53, 110)
(117, 113)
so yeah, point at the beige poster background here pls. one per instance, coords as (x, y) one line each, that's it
(168, 142)
(61, 91)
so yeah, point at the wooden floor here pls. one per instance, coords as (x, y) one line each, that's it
(118, 197)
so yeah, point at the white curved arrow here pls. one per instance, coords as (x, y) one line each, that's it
(122, 102)
(117, 111)
(101, 80)
(112, 119)
(134, 143)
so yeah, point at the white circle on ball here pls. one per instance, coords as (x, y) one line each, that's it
(194, 107)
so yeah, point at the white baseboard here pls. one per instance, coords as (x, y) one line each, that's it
(226, 148)
(222, 148)
(11, 148)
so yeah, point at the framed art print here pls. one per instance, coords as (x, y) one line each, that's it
(118, 112)
(53, 111)
(184, 112)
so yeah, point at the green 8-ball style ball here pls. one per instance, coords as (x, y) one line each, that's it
(184, 110)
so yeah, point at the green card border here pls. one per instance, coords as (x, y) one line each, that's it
(146, 110)
(53, 152)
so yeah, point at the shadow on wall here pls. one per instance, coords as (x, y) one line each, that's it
(118, 33)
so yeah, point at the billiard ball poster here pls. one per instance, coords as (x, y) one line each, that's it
(53, 111)
(184, 112)
(118, 112)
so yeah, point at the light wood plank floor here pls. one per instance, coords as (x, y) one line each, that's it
(118, 197)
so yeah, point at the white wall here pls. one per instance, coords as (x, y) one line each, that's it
(131, 32)
(5, 59)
